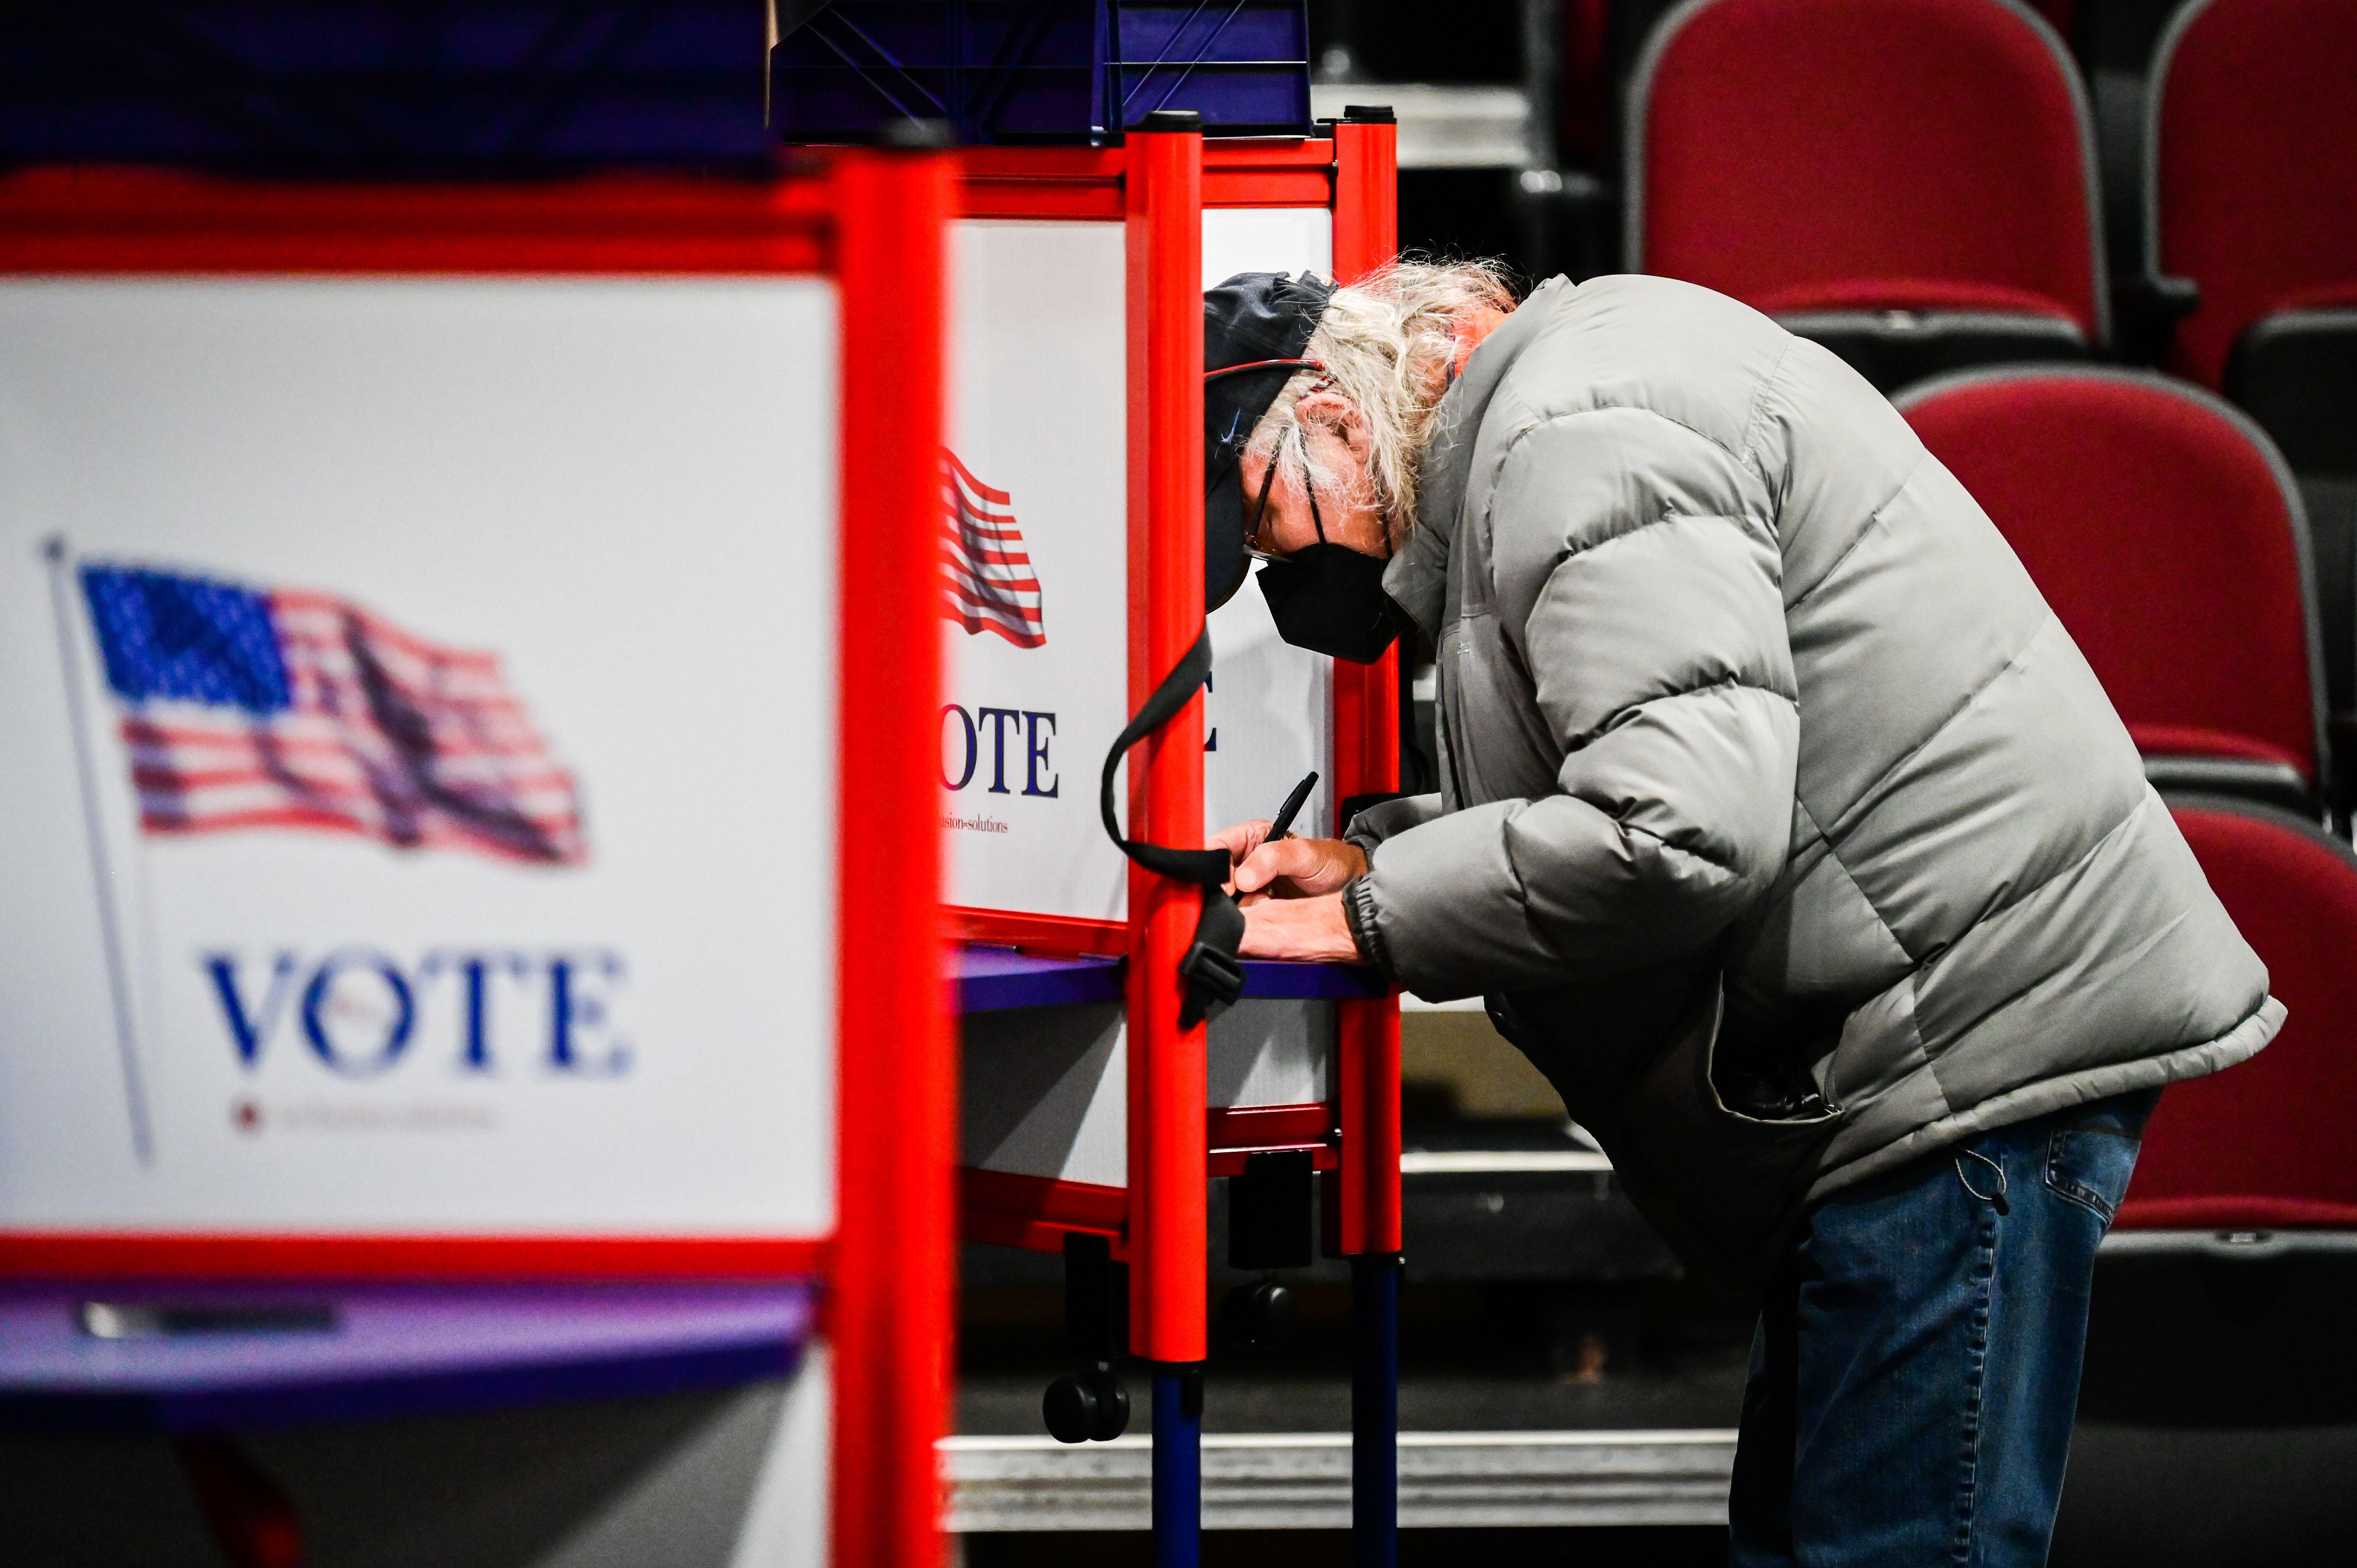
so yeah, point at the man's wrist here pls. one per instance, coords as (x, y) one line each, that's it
(1359, 914)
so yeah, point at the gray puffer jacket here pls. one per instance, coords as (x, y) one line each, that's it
(1759, 744)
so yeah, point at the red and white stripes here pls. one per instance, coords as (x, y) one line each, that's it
(386, 736)
(987, 582)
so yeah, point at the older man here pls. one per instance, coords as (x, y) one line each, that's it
(1783, 825)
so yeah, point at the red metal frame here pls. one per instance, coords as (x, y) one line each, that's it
(1079, 183)
(1236, 1132)
(894, 1323)
(1068, 934)
(147, 221)
(238, 1255)
(1365, 1212)
(1035, 1213)
(1168, 1088)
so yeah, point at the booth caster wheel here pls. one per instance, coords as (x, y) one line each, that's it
(1258, 1314)
(1092, 1407)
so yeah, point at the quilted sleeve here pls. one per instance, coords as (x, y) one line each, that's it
(1638, 584)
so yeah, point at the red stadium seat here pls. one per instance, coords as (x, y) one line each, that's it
(2255, 166)
(2164, 531)
(2224, 1294)
(2268, 1145)
(1910, 182)
(2254, 197)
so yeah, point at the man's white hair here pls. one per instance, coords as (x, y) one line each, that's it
(1388, 342)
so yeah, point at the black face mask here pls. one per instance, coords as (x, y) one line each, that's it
(1330, 598)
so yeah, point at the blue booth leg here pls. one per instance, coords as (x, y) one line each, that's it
(1178, 1464)
(1374, 1409)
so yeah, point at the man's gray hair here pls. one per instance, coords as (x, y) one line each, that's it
(1389, 343)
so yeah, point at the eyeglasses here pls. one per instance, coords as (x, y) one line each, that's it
(1268, 476)
(1260, 511)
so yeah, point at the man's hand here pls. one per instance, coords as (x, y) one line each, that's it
(1305, 928)
(1291, 867)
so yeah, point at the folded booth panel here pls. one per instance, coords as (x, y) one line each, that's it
(1036, 628)
(457, 650)
(1092, 1110)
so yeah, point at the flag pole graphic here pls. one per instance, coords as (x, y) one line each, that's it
(118, 976)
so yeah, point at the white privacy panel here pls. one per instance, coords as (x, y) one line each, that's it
(1034, 606)
(1035, 600)
(1043, 1093)
(1044, 1089)
(1268, 717)
(1270, 1051)
(1039, 415)
(418, 812)
(1267, 240)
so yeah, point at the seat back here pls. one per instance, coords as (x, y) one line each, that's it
(2163, 530)
(2294, 371)
(2266, 1144)
(2254, 165)
(1821, 155)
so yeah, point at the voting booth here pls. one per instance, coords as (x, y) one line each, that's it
(471, 811)
(1091, 1120)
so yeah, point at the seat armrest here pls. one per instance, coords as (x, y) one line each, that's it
(2147, 306)
(2341, 768)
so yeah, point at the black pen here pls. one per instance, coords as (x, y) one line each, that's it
(1292, 808)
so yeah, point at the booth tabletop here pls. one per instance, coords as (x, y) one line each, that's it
(278, 1354)
(993, 978)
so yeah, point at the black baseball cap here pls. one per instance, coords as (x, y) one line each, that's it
(1256, 326)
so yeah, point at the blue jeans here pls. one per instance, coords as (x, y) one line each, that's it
(1916, 1367)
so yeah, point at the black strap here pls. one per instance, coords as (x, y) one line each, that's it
(1215, 976)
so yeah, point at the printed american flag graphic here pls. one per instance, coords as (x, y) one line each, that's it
(280, 708)
(987, 582)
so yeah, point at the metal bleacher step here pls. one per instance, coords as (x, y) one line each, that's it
(1301, 1480)
(1504, 1162)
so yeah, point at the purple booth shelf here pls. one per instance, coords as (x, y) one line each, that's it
(1313, 982)
(992, 979)
(392, 1350)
